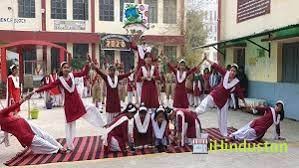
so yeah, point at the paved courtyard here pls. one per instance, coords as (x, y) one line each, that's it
(53, 121)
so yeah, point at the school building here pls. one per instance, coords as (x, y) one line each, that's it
(263, 36)
(81, 26)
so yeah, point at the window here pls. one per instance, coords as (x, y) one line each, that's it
(55, 56)
(29, 55)
(58, 9)
(153, 10)
(170, 51)
(80, 9)
(106, 10)
(170, 11)
(127, 58)
(26, 8)
(80, 51)
(290, 63)
(122, 7)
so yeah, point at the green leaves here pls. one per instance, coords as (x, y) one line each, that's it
(195, 36)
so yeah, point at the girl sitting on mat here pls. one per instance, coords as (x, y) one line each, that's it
(256, 129)
(142, 131)
(161, 129)
(28, 134)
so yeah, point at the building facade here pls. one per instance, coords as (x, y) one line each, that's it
(209, 8)
(256, 34)
(86, 26)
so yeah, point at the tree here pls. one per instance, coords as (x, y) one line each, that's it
(195, 35)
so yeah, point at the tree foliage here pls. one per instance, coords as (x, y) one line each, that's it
(195, 36)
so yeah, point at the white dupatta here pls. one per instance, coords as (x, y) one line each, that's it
(228, 85)
(112, 84)
(142, 127)
(114, 125)
(159, 131)
(131, 77)
(180, 77)
(147, 74)
(69, 88)
(15, 80)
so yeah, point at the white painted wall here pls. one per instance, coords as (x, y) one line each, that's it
(283, 13)
(26, 24)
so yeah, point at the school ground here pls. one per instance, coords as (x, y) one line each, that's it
(53, 122)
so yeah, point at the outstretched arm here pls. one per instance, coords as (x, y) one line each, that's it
(171, 68)
(122, 76)
(16, 105)
(217, 67)
(83, 72)
(101, 73)
(48, 87)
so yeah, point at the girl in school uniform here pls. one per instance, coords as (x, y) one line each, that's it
(181, 73)
(160, 129)
(256, 129)
(13, 87)
(13, 93)
(111, 80)
(142, 129)
(73, 105)
(187, 125)
(149, 75)
(116, 137)
(221, 94)
(28, 134)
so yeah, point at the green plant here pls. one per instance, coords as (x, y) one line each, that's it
(78, 63)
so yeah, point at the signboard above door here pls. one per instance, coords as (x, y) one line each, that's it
(115, 42)
(249, 9)
(69, 25)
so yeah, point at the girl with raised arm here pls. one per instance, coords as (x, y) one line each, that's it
(221, 94)
(73, 105)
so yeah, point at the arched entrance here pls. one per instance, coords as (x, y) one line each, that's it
(19, 45)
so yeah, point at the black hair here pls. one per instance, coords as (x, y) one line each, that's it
(60, 73)
(281, 115)
(228, 67)
(11, 70)
(129, 106)
(281, 112)
(159, 112)
(168, 110)
(206, 69)
(147, 54)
